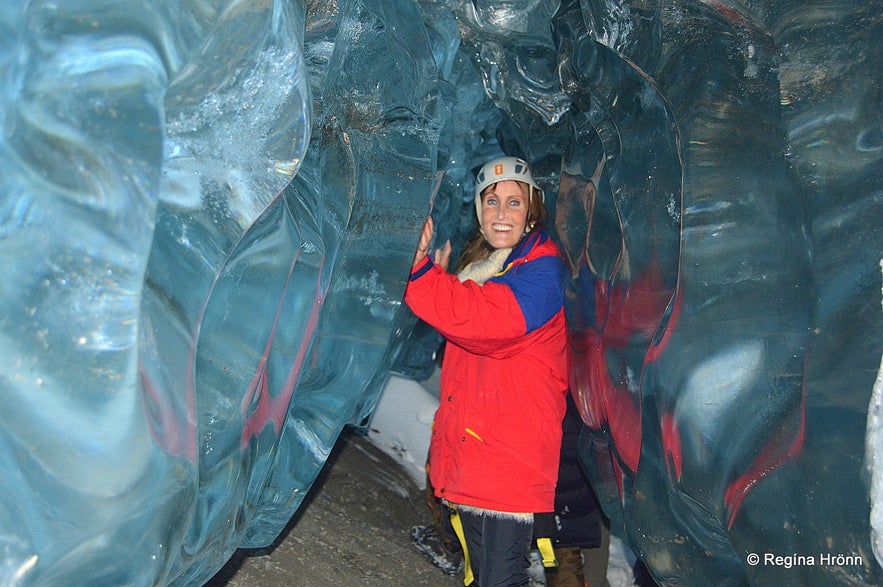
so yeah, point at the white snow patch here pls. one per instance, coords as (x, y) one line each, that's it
(873, 456)
(401, 423)
(620, 563)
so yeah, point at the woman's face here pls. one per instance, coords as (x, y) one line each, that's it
(504, 213)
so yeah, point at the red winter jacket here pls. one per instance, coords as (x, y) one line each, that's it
(496, 437)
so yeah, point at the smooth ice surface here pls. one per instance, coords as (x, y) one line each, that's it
(208, 210)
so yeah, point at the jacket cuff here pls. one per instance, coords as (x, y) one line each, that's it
(421, 269)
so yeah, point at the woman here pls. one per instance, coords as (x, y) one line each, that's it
(497, 433)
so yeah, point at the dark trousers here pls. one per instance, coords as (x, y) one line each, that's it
(499, 549)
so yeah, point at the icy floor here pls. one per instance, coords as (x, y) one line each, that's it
(400, 428)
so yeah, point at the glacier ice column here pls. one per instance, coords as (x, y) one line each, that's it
(371, 171)
(729, 431)
(141, 162)
(81, 155)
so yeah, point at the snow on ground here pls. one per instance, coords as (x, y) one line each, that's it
(400, 424)
(874, 457)
(400, 427)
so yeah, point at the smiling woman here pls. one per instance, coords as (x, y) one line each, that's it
(503, 177)
(504, 214)
(493, 455)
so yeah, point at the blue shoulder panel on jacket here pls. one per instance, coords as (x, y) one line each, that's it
(538, 287)
(527, 244)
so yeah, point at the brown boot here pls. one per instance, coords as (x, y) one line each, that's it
(569, 572)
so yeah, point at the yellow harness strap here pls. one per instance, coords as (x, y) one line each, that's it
(544, 545)
(547, 551)
(468, 578)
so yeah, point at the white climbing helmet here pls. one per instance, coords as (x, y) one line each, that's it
(501, 169)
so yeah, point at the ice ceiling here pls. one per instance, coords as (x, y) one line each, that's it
(209, 208)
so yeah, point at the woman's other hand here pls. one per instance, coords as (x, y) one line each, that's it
(443, 255)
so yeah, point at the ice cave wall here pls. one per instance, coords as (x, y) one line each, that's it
(208, 211)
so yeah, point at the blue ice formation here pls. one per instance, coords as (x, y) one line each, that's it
(207, 217)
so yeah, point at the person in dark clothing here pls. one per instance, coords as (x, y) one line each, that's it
(582, 541)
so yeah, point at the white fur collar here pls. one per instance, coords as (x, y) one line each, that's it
(483, 269)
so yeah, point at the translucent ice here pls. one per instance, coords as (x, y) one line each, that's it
(725, 374)
(207, 214)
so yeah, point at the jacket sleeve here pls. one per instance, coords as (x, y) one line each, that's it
(490, 319)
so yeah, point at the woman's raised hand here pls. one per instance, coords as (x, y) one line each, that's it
(441, 257)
